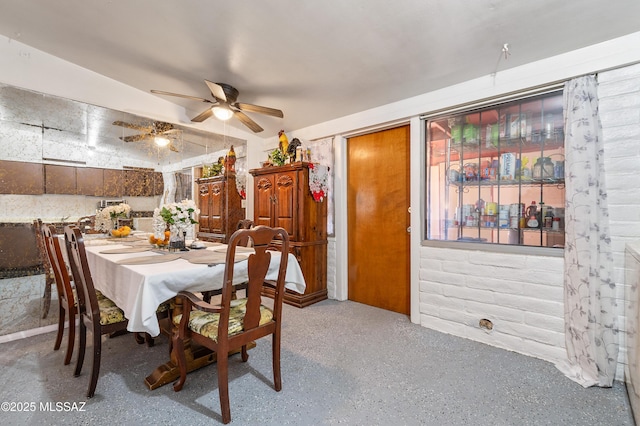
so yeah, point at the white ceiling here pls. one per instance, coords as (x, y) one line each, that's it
(314, 60)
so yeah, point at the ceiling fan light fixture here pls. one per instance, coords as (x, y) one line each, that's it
(161, 141)
(222, 112)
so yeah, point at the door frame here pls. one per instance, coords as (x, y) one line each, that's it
(416, 173)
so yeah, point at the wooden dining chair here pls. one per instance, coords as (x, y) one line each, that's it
(98, 315)
(245, 242)
(86, 223)
(67, 307)
(233, 324)
(245, 224)
(49, 277)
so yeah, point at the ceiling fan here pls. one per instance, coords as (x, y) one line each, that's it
(159, 131)
(224, 105)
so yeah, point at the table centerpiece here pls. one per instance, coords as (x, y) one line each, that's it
(107, 218)
(178, 218)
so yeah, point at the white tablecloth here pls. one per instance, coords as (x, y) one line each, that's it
(139, 289)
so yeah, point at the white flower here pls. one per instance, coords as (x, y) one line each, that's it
(106, 217)
(179, 216)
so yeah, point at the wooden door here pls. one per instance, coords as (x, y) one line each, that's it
(378, 218)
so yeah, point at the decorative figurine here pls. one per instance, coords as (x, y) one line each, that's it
(291, 151)
(284, 141)
(230, 161)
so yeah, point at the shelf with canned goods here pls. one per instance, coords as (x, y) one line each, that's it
(488, 167)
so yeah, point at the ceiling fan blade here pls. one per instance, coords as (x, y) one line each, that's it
(132, 126)
(136, 138)
(160, 92)
(216, 91)
(259, 109)
(244, 118)
(165, 132)
(202, 116)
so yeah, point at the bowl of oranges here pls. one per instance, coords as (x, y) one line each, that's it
(121, 232)
(159, 242)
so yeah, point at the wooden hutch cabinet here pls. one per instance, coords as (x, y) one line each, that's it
(220, 208)
(282, 199)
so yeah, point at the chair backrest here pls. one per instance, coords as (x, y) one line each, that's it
(86, 223)
(245, 224)
(87, 299)
(42, 251)
(56, 259)
(261, 238)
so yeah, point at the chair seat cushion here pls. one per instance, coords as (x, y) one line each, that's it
(109, 312)
(206, 323)
(99, 295)
(164, 306)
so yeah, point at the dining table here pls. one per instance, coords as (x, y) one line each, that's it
(139, 277)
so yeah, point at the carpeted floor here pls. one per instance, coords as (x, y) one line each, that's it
(342, 363)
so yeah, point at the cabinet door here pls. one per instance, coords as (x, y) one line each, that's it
(59, 179)
(158, 183)
(217, 211)
(113, 183)
(90, 181)
(138, 183)
(264, 200)
(286, 201)
(203, 218)
(17, 177)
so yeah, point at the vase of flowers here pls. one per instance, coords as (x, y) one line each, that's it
(179, 218)
(107, 218)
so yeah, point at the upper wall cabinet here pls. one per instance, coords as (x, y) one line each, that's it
(113, 183)
(21, 178)
(139, 183)
(59, 179)
(90, 181)
(36, 179)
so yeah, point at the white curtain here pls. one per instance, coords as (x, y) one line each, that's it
(589, 289)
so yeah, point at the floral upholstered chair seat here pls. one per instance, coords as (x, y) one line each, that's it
(206, 323)
(164, 306)
(109, 312)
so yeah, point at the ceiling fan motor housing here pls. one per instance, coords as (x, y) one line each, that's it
(230, 92)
